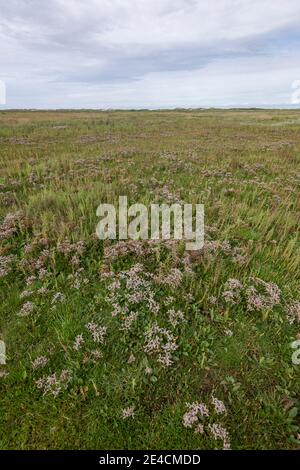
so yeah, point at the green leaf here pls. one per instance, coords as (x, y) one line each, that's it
(293, 412)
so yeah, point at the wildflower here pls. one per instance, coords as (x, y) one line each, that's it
(98, 332)
(92, 356)
(30, 280)
(234, 284)
(42, 290)
(75, 261)
(169, 300)
(52, 384)
(191, 416)
(124, 247)
(77, 280)
(115, 285)
(219, 432)
(79, 340)
(218, 405)
(230, 297)
(66, 247)
(152, 304)
(26, 293)
(175, 317)
(39, 362)
(165, 359)
(10, 225)
(162, 342)
(232, 292)
(136, 297)
(254, 300)
(173, 279)
(5, 262)
(42, 273)
(293, 311)
(265, 300)
(213, 300)
(96, 354)
(106, 274)
(148, 370)
(65, 376)
(199, 429)
(128, 320)
(117, 308)
(128, 412)
(239, 259)
(28, 248)
(202, 409)
(26, 309)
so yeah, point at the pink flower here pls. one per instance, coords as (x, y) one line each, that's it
(218, 405)
(128, 412)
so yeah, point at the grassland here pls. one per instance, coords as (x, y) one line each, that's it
(145, 346)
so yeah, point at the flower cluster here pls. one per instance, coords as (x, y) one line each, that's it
(39, 362)
(26, 309)
(219, 432)
(79, 340)
(232, 291)
(173, 279)
(128, 412)
(77, 280)
(265, 300)
(53, 384)
(5, 264)
(10, 225)
(190, 417)
(128, 290)
(161, 342)
(293, 311)
(198, 413)
(72, 251)
(259, 295)
(175, 317)
(98, 332)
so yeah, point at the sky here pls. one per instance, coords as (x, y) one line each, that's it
(149, 53)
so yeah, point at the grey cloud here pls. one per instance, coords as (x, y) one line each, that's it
(61, 45)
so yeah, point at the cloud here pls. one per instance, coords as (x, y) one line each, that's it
(149, 53)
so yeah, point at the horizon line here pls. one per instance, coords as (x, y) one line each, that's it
(175, 108)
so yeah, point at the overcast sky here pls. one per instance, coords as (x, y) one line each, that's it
(149, 53)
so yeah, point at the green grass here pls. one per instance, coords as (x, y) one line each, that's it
(56, 168)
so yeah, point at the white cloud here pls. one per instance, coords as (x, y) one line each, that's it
(149, 53)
